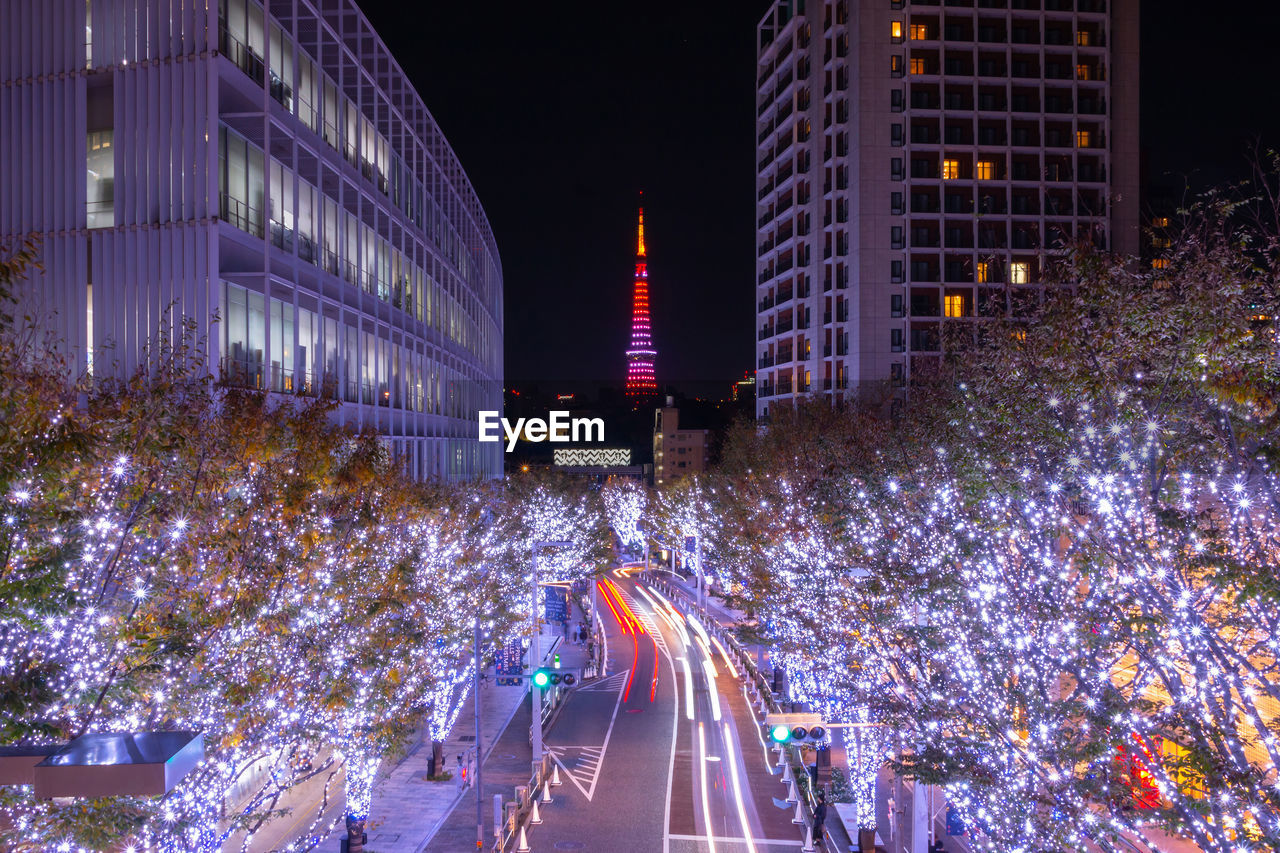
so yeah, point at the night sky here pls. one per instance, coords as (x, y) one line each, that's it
(562, 112)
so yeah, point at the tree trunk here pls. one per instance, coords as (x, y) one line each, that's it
(437, 756)
(355, 835)
(866, 840)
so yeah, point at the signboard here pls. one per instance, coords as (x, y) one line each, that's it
(510, 663)
(557, 603)
(690, 544)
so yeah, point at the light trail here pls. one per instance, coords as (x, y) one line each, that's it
(627, 628)
(706, 802)
(732, 760)
(710, 670)
(688, 686)
(706, 650)
(733, 670)
(764, 747)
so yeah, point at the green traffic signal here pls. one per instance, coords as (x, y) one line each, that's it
(780, 733)
(541, 678)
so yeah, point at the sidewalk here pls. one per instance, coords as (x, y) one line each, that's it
(508, 764)
(408, 811)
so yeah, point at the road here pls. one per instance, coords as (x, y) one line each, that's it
(664, 753)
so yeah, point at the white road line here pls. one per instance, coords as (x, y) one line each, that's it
(773, 842)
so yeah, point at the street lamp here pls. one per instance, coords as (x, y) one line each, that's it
(535, 644)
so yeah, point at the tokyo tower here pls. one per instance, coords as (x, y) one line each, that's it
(641, 381)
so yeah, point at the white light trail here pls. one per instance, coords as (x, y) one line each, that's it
(733, 670)
(706, 802)
(732, 759)
(688, 687)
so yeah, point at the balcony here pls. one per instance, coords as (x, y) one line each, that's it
(765, 304)
(241, 215)
(766, 332)
(765, 361)
(242, 56)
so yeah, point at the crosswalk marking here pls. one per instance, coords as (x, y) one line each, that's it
(587, 761)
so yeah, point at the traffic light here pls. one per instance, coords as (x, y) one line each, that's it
(545, 677)
(797, 729)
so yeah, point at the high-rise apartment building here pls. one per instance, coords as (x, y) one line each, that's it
(917, 162)
(272, 165)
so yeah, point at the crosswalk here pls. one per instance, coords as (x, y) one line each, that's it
(581, 763)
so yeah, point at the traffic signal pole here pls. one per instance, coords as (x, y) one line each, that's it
(535, 661)
(479, 780)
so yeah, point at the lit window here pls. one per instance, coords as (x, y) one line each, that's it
(1083, 71)
(917, 65)
(919, 32)
(895, 65)
(1084, 139)
(1161, 222)
(985, 170)
(1160, 264)
(1019, 334)
(953, 305)
(1082, 38)
(1020, 272)
(984, 272)
(950, 170)
(896, 30)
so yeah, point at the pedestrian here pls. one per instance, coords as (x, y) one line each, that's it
(893, 817)
(819, 817)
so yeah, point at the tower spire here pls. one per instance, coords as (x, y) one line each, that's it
(641, 379)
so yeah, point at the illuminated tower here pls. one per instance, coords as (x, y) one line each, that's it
(641, 382)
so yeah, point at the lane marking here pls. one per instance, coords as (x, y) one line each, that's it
(772, 842)
(596, 752)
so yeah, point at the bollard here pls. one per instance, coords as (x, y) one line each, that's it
(535, 817)
(523, 846)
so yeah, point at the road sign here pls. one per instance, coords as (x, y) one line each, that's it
(557, 603)
(510, 663)
(690, 544)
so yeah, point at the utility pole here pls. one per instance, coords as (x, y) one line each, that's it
(702, 587)
(479, 749)
(535, 649)
(535, 661)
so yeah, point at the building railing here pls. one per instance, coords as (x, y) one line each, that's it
(244, 57)
(240, 214)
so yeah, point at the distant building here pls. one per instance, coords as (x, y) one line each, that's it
(270, 165)
(917, 163)
(743, 389)
(677, 452)
(642, 381)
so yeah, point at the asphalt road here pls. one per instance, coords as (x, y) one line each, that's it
(664, 753)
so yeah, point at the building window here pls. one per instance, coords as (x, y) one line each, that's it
(1160, 222)
(895, 271)
(983, 272)
(919, 32)
(1083, 71)
(100, 191)
(895, 31)
(985, 170)
(895, 65)
(1160, 264)
(917, 65)
(1020, 272)
(1082, 38)
(953, 305)
(950, 169)
(1084, 139)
